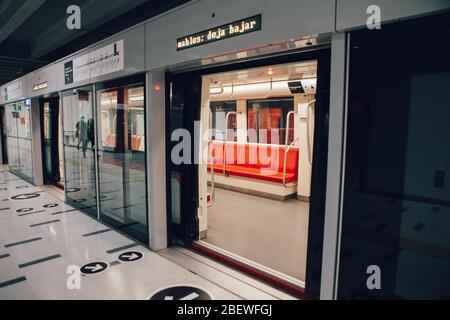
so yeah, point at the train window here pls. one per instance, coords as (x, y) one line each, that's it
(266, 120)
(140, 125)
(220, 112)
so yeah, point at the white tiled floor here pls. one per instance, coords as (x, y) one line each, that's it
(133, 280)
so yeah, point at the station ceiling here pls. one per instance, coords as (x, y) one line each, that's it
(33, 33)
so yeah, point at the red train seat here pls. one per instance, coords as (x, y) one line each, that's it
(110, 141)
(136, 142)
(255, 161)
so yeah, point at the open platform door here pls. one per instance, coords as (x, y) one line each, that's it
(190, 196)
(50, 139)
(183, 98)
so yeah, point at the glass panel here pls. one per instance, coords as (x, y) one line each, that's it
(25, 144)
(47, 137)
(24, 121)
(219, 115)
(13, 153)
(4, 146)
(26, 157)
(121, 130)
(397, 189)
(175, 189)
(18, 136)
(267, 120)
(176, 115)
(79, 142)
(11, 137)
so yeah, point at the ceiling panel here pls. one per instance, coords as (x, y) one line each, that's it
(34, 33)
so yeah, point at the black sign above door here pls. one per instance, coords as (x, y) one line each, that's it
(225, 31)
(68, 72)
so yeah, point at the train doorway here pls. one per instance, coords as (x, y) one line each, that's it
(249, 189)
(51, 141)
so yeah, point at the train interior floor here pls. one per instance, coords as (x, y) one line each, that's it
(41, 237)
(271, 233)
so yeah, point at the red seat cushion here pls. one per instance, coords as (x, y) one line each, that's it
(135, 142)
(262, 162)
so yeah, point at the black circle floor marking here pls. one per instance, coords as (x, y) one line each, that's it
(25, 196)
(79, 200)
(50, 205)
(23, 210)
(130, 256)
(3, 189)
(23, 187)
(94, 267)
(181, 292)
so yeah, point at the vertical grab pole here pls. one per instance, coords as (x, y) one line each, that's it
(286, 146)
(211, 159)
(308, 131)
(225, 143)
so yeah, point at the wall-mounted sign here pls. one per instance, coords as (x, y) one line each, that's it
(296, 87)
(40, 86)
(68, 72)
(5, 94)
(13, 91)
(95, 64)
(225, 31)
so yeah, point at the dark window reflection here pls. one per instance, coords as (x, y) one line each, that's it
(397, 184)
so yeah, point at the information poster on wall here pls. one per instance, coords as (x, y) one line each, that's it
(97, 63)
(13, 91)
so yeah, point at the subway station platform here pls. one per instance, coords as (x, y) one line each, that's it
(41, 239)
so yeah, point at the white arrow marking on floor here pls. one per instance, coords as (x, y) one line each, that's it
(131, 257)
(96, 268)
(168, 298)
(192, 296)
